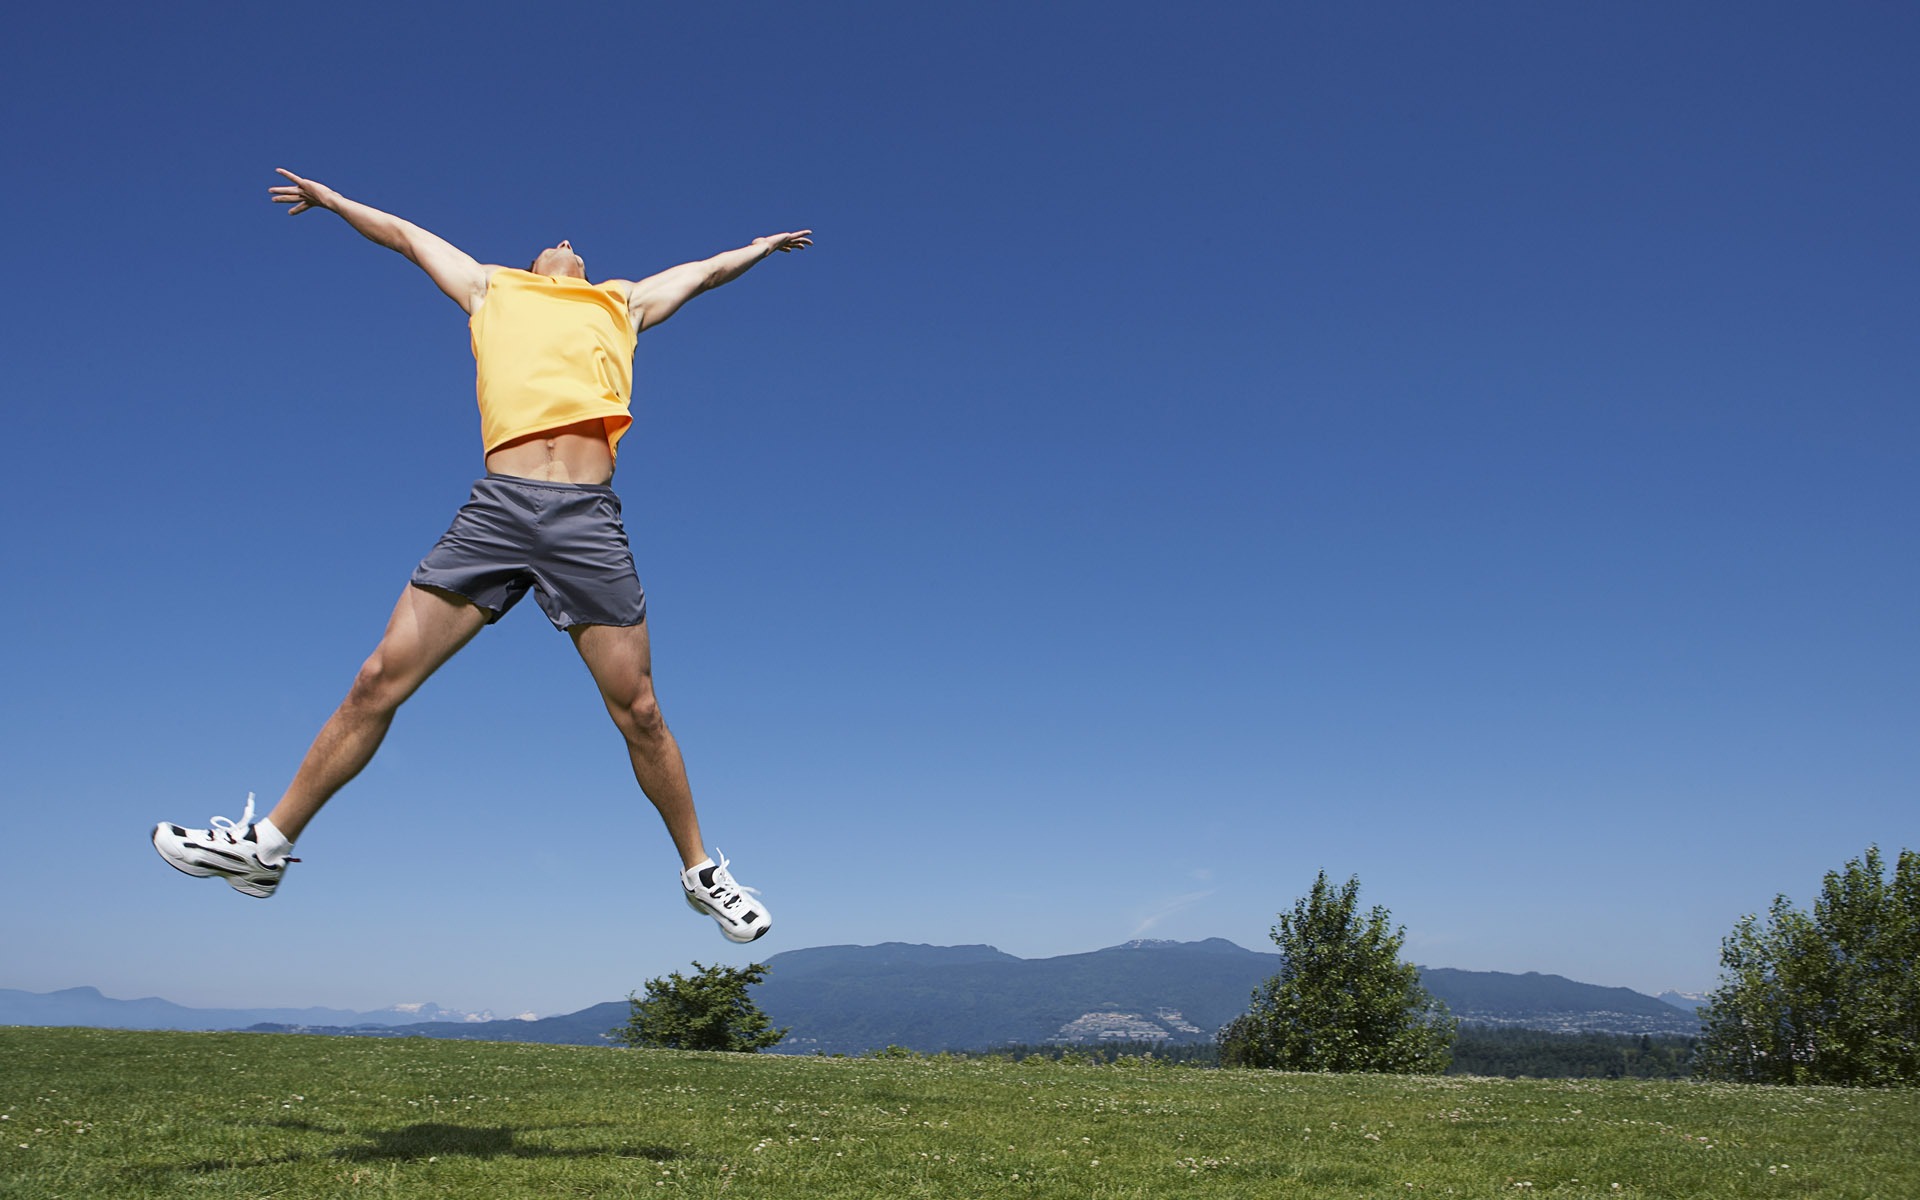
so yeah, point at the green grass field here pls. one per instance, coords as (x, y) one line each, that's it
(91, 1113)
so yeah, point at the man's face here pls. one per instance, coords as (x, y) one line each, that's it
(560, 261)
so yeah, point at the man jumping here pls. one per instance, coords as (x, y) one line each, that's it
(554, 359)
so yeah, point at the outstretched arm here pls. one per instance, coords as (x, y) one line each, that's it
(657, 297)
(452, 268)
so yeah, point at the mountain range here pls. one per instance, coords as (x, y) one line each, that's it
(848, 999)
(852, 999)
(86, 1006)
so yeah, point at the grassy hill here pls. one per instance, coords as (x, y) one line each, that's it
(106, 1114)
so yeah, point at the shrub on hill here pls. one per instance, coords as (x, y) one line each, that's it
(708, 1010)
(1343, 1000)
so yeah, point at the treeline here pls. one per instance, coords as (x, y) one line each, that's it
(1536, 1054)
(1513, 1053)
(1107, 1053)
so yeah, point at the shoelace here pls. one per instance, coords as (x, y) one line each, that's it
(723, 879)
(222, 825)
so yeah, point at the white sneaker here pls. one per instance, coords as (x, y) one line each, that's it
(231, 850)
(711, 890)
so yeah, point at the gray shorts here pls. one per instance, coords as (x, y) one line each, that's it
(563, 540)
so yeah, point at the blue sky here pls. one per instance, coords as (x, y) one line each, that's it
(1470, 446)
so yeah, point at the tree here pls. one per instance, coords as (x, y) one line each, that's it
(1343, 1000)
(1828, 997)
(709, 1010)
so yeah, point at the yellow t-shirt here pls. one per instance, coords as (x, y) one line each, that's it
(551, 352)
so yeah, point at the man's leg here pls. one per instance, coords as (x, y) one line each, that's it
(621, 660)
(426, 629)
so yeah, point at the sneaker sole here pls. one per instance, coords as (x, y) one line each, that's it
(187, 867)
(725, 932)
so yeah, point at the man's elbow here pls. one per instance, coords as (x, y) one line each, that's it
(402, 238)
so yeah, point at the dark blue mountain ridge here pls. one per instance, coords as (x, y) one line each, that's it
(1143, 990)
(1493, 991)
(877, 1000)
(852, 999)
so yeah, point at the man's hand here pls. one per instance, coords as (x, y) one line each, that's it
(657, 297)
(303, 194)
(785, 242)
(452, 269)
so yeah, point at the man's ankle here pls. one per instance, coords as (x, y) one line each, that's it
(274, 845)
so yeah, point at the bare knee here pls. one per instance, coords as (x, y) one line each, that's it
(639, 718)
(375, 688)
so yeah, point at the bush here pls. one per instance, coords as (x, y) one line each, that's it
(709, 1010)
(1343, 1000)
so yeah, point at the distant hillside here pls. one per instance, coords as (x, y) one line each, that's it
(923, 998)
(1551, 1002)
(87, 1006)
(927, 999)
(588, 1027)
(852, 999)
